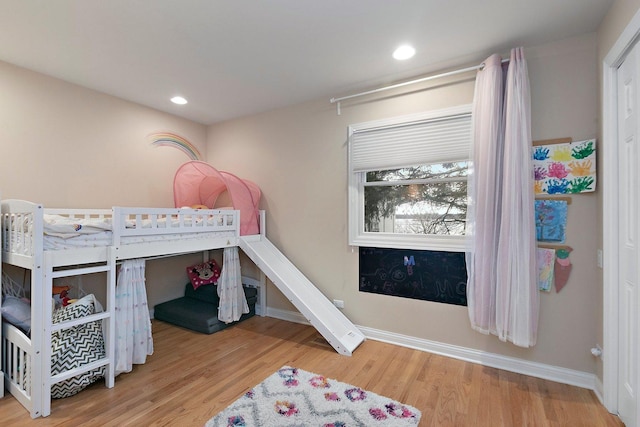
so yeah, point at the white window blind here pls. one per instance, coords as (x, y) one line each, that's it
(419, 141)
(427, 138)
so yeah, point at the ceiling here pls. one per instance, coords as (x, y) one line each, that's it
(232, 58)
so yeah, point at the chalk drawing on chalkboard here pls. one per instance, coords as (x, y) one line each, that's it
(426, 275)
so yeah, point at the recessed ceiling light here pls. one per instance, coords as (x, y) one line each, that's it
(404, 52)
(178, 100)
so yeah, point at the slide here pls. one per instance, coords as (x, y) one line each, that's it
(334, 326)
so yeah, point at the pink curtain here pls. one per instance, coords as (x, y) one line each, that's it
(502, 292)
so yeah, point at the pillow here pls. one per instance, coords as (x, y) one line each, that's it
(17, 312)
(203, 274)
(74, 347)
(81, 308)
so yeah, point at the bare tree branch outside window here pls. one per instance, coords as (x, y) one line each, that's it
(428, 199)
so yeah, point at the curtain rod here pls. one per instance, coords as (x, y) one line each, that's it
(397, 85)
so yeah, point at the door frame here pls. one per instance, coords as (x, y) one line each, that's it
(610, 201)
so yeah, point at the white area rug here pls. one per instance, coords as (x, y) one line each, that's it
(293, 397)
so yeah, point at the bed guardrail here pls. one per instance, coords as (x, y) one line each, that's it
(21, 222)
(144, 221)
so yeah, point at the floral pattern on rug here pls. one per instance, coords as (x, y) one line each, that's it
(293, 397)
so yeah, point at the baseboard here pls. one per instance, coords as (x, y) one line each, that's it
(599, 391)
(291, 316)
(520, 366)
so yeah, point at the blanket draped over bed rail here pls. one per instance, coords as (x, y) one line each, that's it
(133, 324)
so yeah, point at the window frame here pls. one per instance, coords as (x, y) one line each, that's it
(356, 181)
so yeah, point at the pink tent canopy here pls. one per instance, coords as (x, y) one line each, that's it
(199, 183)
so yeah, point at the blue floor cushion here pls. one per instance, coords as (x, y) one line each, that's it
(198, 309)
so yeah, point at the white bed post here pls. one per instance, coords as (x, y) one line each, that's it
(110, 336)
(38, 315)
(262, 278)
(46, 295)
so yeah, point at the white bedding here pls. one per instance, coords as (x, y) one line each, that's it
(104, 239)
(61, 232)
(65, 227)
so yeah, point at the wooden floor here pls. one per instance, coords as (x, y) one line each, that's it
(192, 376)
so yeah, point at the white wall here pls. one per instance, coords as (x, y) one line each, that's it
(65, 146)
(298, 157)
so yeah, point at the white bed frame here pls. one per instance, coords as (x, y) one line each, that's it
(26, 362)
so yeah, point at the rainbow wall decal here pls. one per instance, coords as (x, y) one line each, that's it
(175, 141)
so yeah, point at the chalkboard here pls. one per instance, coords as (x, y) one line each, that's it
(425, 275)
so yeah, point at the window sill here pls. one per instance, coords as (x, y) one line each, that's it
(408, 241)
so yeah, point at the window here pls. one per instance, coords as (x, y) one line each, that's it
(408, 181)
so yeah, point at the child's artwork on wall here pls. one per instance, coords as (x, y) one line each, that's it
(546, 260)
(426, 275)
(551, 220)
(554, 267)
(567, 168)
(562, 268)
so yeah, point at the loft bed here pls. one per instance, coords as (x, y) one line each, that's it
(35, 239)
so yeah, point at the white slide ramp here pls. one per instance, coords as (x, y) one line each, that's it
(334, 326)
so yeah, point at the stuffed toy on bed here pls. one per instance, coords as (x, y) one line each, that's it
(59, 295)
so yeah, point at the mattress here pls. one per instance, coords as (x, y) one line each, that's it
(53, 243)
